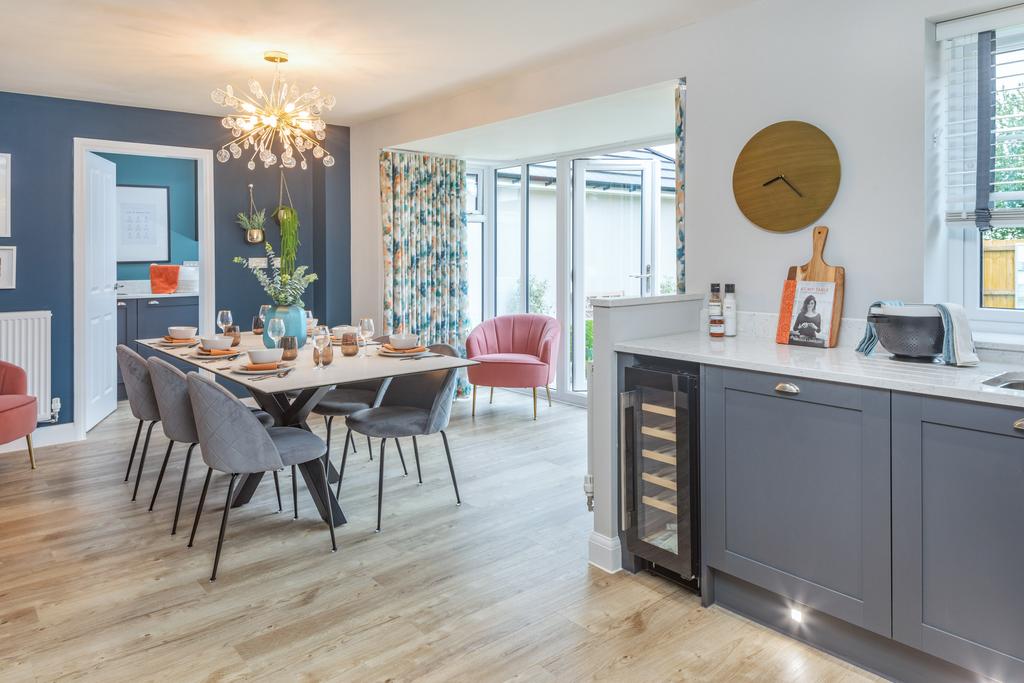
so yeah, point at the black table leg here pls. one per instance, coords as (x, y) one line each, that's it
(313, 474)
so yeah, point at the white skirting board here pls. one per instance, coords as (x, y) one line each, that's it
(50, 435)
(605, 552)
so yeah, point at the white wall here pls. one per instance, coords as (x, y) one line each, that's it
(855, 69)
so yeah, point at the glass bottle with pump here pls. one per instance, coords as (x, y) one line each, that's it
(716, 319)
(729, 310)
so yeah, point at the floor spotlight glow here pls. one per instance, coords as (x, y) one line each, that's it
(796, 615)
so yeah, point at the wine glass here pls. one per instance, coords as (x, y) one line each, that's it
(275, 330)
(264, 311)
(366, 330)
(321, 339)
(223, 320)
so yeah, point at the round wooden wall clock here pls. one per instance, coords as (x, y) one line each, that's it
(786, 176)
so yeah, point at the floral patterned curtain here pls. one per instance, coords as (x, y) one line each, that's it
(422, 203)
(681, 184)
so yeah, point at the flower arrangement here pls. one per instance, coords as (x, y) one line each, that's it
(284, 289)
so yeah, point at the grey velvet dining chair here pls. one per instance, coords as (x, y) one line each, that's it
(414, 405)
(170, 385)
(232, 441)
(142, 401)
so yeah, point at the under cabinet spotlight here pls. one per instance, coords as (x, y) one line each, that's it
(796, 615)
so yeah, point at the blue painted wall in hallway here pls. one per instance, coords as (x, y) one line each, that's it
(179, 177)
(39, 133)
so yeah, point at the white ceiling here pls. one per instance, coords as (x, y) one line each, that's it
(642, 115)
(374, 56)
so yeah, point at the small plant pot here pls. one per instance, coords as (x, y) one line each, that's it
(254, 236)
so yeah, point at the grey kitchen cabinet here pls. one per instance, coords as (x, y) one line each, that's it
(797, 491)
(148, 318)
(958, 532)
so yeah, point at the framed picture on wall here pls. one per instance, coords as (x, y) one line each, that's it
(8, 267)
(143, 224)
(5, 195)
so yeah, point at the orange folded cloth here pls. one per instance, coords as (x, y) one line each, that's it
(392, 349)
(255, 367)
(217, 352)
(163, 279)
(175, 340)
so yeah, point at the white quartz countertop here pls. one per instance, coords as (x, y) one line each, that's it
(150, 295)
(842, 365)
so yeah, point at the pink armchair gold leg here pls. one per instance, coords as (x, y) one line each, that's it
(492, 395)
(535, 403)
(31, 455)
(474, 401)
(548, 389)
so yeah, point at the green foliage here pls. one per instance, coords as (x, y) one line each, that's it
(588, 340)
(283, 288)
(252, 221)
(538, 290)
(288, 219)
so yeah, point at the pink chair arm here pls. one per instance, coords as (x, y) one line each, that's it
(548, 351)
(13, 380)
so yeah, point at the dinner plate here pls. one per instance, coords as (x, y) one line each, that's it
(280, 368)
(400, 354)
(177, 344)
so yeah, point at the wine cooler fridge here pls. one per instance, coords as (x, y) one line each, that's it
(659, 450)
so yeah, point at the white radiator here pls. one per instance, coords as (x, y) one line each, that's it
(25, 341)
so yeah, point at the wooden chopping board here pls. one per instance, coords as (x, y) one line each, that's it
(816, 270)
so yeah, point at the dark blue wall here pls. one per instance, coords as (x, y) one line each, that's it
(38, 132)
(179, 177)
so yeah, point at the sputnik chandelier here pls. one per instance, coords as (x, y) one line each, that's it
(282, 117)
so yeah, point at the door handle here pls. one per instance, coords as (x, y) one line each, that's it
(153, 302)
(787, 388)
(121, 304)
(625, 402)
(1019, 425)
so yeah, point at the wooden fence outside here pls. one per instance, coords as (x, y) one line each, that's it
(999, 282)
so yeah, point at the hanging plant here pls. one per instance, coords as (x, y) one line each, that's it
(288, 220)
(253, 221)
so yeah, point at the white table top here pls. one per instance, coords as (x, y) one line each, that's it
(305, 375)
(834, 365)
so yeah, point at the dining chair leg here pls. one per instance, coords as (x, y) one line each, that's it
(380, 483)
(492, 395)
(344, 457)
(535, 403)
(451, 467)
(328, 421)
(330, 508)
(31, 455)
(199, 509)
(142, 459)
(135, 445)
(548, 389)
(181, 489)
(295, 495)
(277, 488)
(473, 414)
(348, 435)
(223, 526)
(416, 454)
(160, 477)
(369, 447)
(401, 457)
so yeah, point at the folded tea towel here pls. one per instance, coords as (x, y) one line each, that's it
(958, 343)
(163, 279)
(870, 340)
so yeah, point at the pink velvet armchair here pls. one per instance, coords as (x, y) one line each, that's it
(17, 408)
(514, 351)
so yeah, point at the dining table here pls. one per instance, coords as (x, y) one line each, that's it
(290, 394)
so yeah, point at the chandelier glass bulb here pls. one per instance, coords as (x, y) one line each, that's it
(282, 118)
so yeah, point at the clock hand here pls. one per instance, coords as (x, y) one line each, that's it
(798, 194)
(769, 182)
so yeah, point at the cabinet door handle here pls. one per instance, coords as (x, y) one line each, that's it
(626, 401)
(787, 388)
(121, 304)
(153, 302)
(1019, 425)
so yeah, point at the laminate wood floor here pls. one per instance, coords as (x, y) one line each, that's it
(93, 587)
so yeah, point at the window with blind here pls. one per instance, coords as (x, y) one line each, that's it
(983, 71)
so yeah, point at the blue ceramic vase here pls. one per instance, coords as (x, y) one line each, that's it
(294, 318)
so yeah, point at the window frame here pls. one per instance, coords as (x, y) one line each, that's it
(965, 280)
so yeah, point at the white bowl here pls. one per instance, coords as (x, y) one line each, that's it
(216, 343)
(404, 341)
(181, 332)
(339, 330)
(258, 356)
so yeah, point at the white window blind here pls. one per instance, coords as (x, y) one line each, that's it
(994, 178)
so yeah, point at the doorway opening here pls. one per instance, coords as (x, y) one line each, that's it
(134, 205)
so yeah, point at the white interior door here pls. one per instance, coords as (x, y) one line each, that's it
(100, 283)
(614, 250)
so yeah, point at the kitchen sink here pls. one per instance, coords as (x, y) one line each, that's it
(1007, 380)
